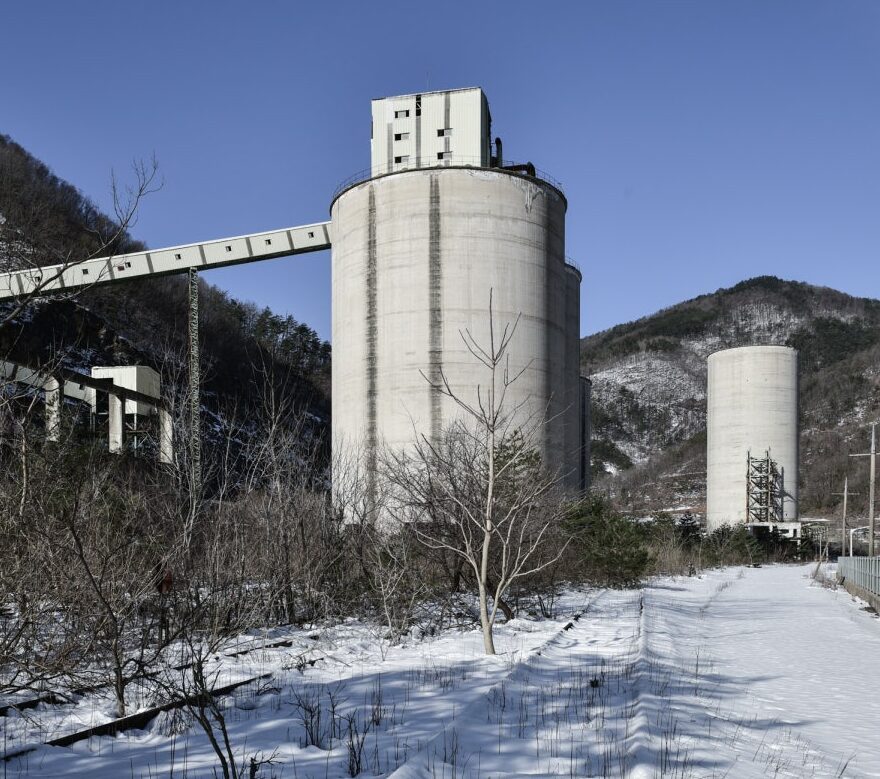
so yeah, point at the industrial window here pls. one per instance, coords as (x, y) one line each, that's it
(229, 248)
(127, 264)
(401, 114)
(444, 155)
(311, 235)
(176, 256)
(402, 158)
(85, 271)
(268, 242)
(444, 132)
(418, 105)
(401, 136)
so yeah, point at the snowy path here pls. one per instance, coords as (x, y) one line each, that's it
(741, 673)
(768, 675)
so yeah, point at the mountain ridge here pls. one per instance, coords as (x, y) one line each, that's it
(649, 382)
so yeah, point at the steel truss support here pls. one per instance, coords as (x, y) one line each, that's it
(195, 432)
(765, 489)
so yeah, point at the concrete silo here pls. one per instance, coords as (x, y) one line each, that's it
(417, 248)
(752, 436)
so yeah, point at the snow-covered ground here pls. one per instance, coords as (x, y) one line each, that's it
(738, 673)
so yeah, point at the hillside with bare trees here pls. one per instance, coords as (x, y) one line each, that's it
(649, 388)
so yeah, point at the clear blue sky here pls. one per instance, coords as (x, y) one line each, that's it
(699, 143)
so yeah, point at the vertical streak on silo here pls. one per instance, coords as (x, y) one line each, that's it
(371, 350)
(446, 124)
(435, 311)
(551, 410)
(389, 160)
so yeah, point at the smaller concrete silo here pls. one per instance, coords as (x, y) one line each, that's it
(752, 436)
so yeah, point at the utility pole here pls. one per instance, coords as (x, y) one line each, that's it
(873, 455)
(195, 433)
(846, 493)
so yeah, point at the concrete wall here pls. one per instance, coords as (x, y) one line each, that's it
(415, 256)
(752, 405)
(405, 128)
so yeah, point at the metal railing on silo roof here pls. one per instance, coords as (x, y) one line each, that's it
(863, 572)
(454, 161)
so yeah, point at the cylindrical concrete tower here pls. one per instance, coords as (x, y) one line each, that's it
(415, 257)
(751, 408)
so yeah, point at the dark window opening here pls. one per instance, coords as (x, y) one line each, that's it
(418, 105)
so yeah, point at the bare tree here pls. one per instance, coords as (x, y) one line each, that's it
(480, 492)
(100, 545)
(394, 580)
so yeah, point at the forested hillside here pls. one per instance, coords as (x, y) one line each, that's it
(649, 388)
(44, 220)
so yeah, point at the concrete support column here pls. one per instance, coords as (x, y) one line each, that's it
(52, 388)
(115, 423)
(166, 437)
(586, 431)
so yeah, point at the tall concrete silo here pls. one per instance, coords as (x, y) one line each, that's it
(416, 253)
(752, 436)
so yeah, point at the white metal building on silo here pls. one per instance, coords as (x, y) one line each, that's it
(751, 411)
(417, 249)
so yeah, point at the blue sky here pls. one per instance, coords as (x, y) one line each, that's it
(699, 143)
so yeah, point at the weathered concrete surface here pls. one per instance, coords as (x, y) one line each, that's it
(415, 257)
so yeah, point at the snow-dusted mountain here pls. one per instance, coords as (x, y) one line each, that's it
(649, 385)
